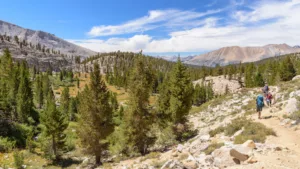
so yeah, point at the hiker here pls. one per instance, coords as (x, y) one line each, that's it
(265, 89)
(269, 99)
(259, 105)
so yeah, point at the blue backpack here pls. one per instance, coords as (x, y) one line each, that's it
(260, 101)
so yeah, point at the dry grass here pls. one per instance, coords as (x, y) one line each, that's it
(84, 78)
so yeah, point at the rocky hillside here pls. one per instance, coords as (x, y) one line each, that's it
(39, 59)
(231, 136)
(219, 84)
(44, 39)
(236, 54)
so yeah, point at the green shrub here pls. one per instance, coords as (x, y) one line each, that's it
(158, 163)
(212, 148)
(164, 137)
(18, 159)
(71, 137)
(6, 144)
(236, 125)
(216, 131)
(21, 133)
(254, 131)
(295, 116)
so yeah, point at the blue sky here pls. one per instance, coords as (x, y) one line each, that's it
(160, 27)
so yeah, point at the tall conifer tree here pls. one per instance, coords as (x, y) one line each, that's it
(95, 116)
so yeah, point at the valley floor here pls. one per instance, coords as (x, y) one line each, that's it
(278, 152)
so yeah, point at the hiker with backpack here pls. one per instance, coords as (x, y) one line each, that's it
(265, 89)
(269, 98)
(259, 105)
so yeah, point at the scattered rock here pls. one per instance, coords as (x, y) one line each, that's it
(205, 138)
(237, 133)
(295, 122)
(179, 148)
(296, 78)
(238, 155)
(172, 164)
(251, 160)
(278, 148)
(222, 158)
(250, 144)
(198, 148)
(285, 121)
(190, 164)
(291, 105)
(175, 154)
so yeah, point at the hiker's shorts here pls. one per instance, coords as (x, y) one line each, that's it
(259, 108)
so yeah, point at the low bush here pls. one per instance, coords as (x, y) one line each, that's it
(212, 148)
(18, 159)
(254, 131)
(295, 116)
(6, 144)
(236, 125)
(216, 131)
(71, 137)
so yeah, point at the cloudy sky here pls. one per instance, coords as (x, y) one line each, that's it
(161, 27)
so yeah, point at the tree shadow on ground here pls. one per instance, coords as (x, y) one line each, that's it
(66, 162)
(267, 117)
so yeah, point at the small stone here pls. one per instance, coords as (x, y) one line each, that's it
(179, 148)
(205, 138)
(250, 144)
(238, 155)
(251, 160)
(175, 154)
(190, 164)
(278, 148)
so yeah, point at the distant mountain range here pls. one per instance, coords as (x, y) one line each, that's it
(236, 54)
(222, 56)
(43, 38)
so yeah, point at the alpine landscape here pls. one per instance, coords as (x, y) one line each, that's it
(150, 84)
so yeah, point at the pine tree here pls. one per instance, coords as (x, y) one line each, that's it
(249, 79)
(181, 93)
(199, 94)
(227, 90)
(24, 96)
(209, 92)
(259, 81)
(72, 108)
(54, 125)
(39, 96)
(287, 70)
(46, 85)
(163, 113)
(64, 102)
(95, 116)
(138, 117)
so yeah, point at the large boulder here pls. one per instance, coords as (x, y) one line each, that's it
(205, 138)
(237, 155)
(296, 78)
(219, 84)
(291, 106)
(173, 164)
(222, 158)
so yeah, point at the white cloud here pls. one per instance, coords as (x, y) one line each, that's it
(268, 22)
(134, 43)
(154, 19)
